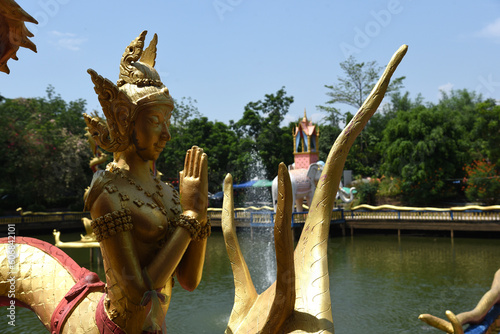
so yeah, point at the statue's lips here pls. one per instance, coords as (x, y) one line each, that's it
(160, 146)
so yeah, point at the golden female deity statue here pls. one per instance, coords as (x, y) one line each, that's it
(147, 232)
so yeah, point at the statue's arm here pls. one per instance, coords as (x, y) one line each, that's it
(190, 268)
(120, 253)
(181, 252)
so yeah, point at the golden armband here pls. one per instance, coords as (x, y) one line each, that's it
(194, 227)
(111, 223)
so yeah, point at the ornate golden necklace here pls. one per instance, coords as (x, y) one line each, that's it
(156, 197)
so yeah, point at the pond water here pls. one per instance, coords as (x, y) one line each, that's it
(378, 283)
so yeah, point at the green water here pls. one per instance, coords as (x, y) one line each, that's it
(378, 283)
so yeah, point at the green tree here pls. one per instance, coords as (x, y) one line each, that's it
(483, 182)
(485, 132)
(426, 147)
(352, 89)
(328, 135)
(44, 152)
(226, 152)
(356, 84)
(261, 126)
(403, 102)
(184, 110)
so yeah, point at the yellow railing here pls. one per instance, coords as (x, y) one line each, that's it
(265, 215)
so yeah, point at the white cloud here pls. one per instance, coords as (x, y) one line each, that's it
(67, 41)
(446, 88)
(290, 118)
(317, 117)
(492, 30)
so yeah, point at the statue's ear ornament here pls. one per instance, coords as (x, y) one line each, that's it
(117, 108)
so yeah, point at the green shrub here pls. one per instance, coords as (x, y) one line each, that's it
(367, 191)
(483, 182)
(389, 187)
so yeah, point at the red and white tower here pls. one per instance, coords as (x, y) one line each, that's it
(306, 143)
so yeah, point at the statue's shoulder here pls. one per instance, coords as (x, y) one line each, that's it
(102, 182)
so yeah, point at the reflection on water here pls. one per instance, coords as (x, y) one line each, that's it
(379, 284)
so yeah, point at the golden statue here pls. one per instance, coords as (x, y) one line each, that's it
(148, 234)
(86, 241)
(475, 316)
(299, 300)
(99, 155)
(13, 32)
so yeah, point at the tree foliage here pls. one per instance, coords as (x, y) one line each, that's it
(44, 153)
(226, 152)
(485, 131)
(359, 78)
(424, 145)
(262, 132)
(482, 182)
(425, 149)
(352, 89)
(354, 86)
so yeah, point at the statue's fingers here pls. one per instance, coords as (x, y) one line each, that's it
(192, 162)
(202, 163)
(204, 175)
(195, 157)
(204, 166)
(187, 163)
(196, 162)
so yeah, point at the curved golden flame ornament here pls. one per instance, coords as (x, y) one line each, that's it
(299, 300)
(13, 32)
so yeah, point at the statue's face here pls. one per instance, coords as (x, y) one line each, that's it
(151, 131)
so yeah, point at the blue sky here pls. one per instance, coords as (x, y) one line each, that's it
(226, 53)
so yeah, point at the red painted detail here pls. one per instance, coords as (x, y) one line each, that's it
(86, 282)
(104, 324)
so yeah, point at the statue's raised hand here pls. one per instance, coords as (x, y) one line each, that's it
(194, 184)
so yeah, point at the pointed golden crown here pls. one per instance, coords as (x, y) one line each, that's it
(138, 84)
(137, 67)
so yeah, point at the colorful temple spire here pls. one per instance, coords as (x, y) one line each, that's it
(306, 143)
